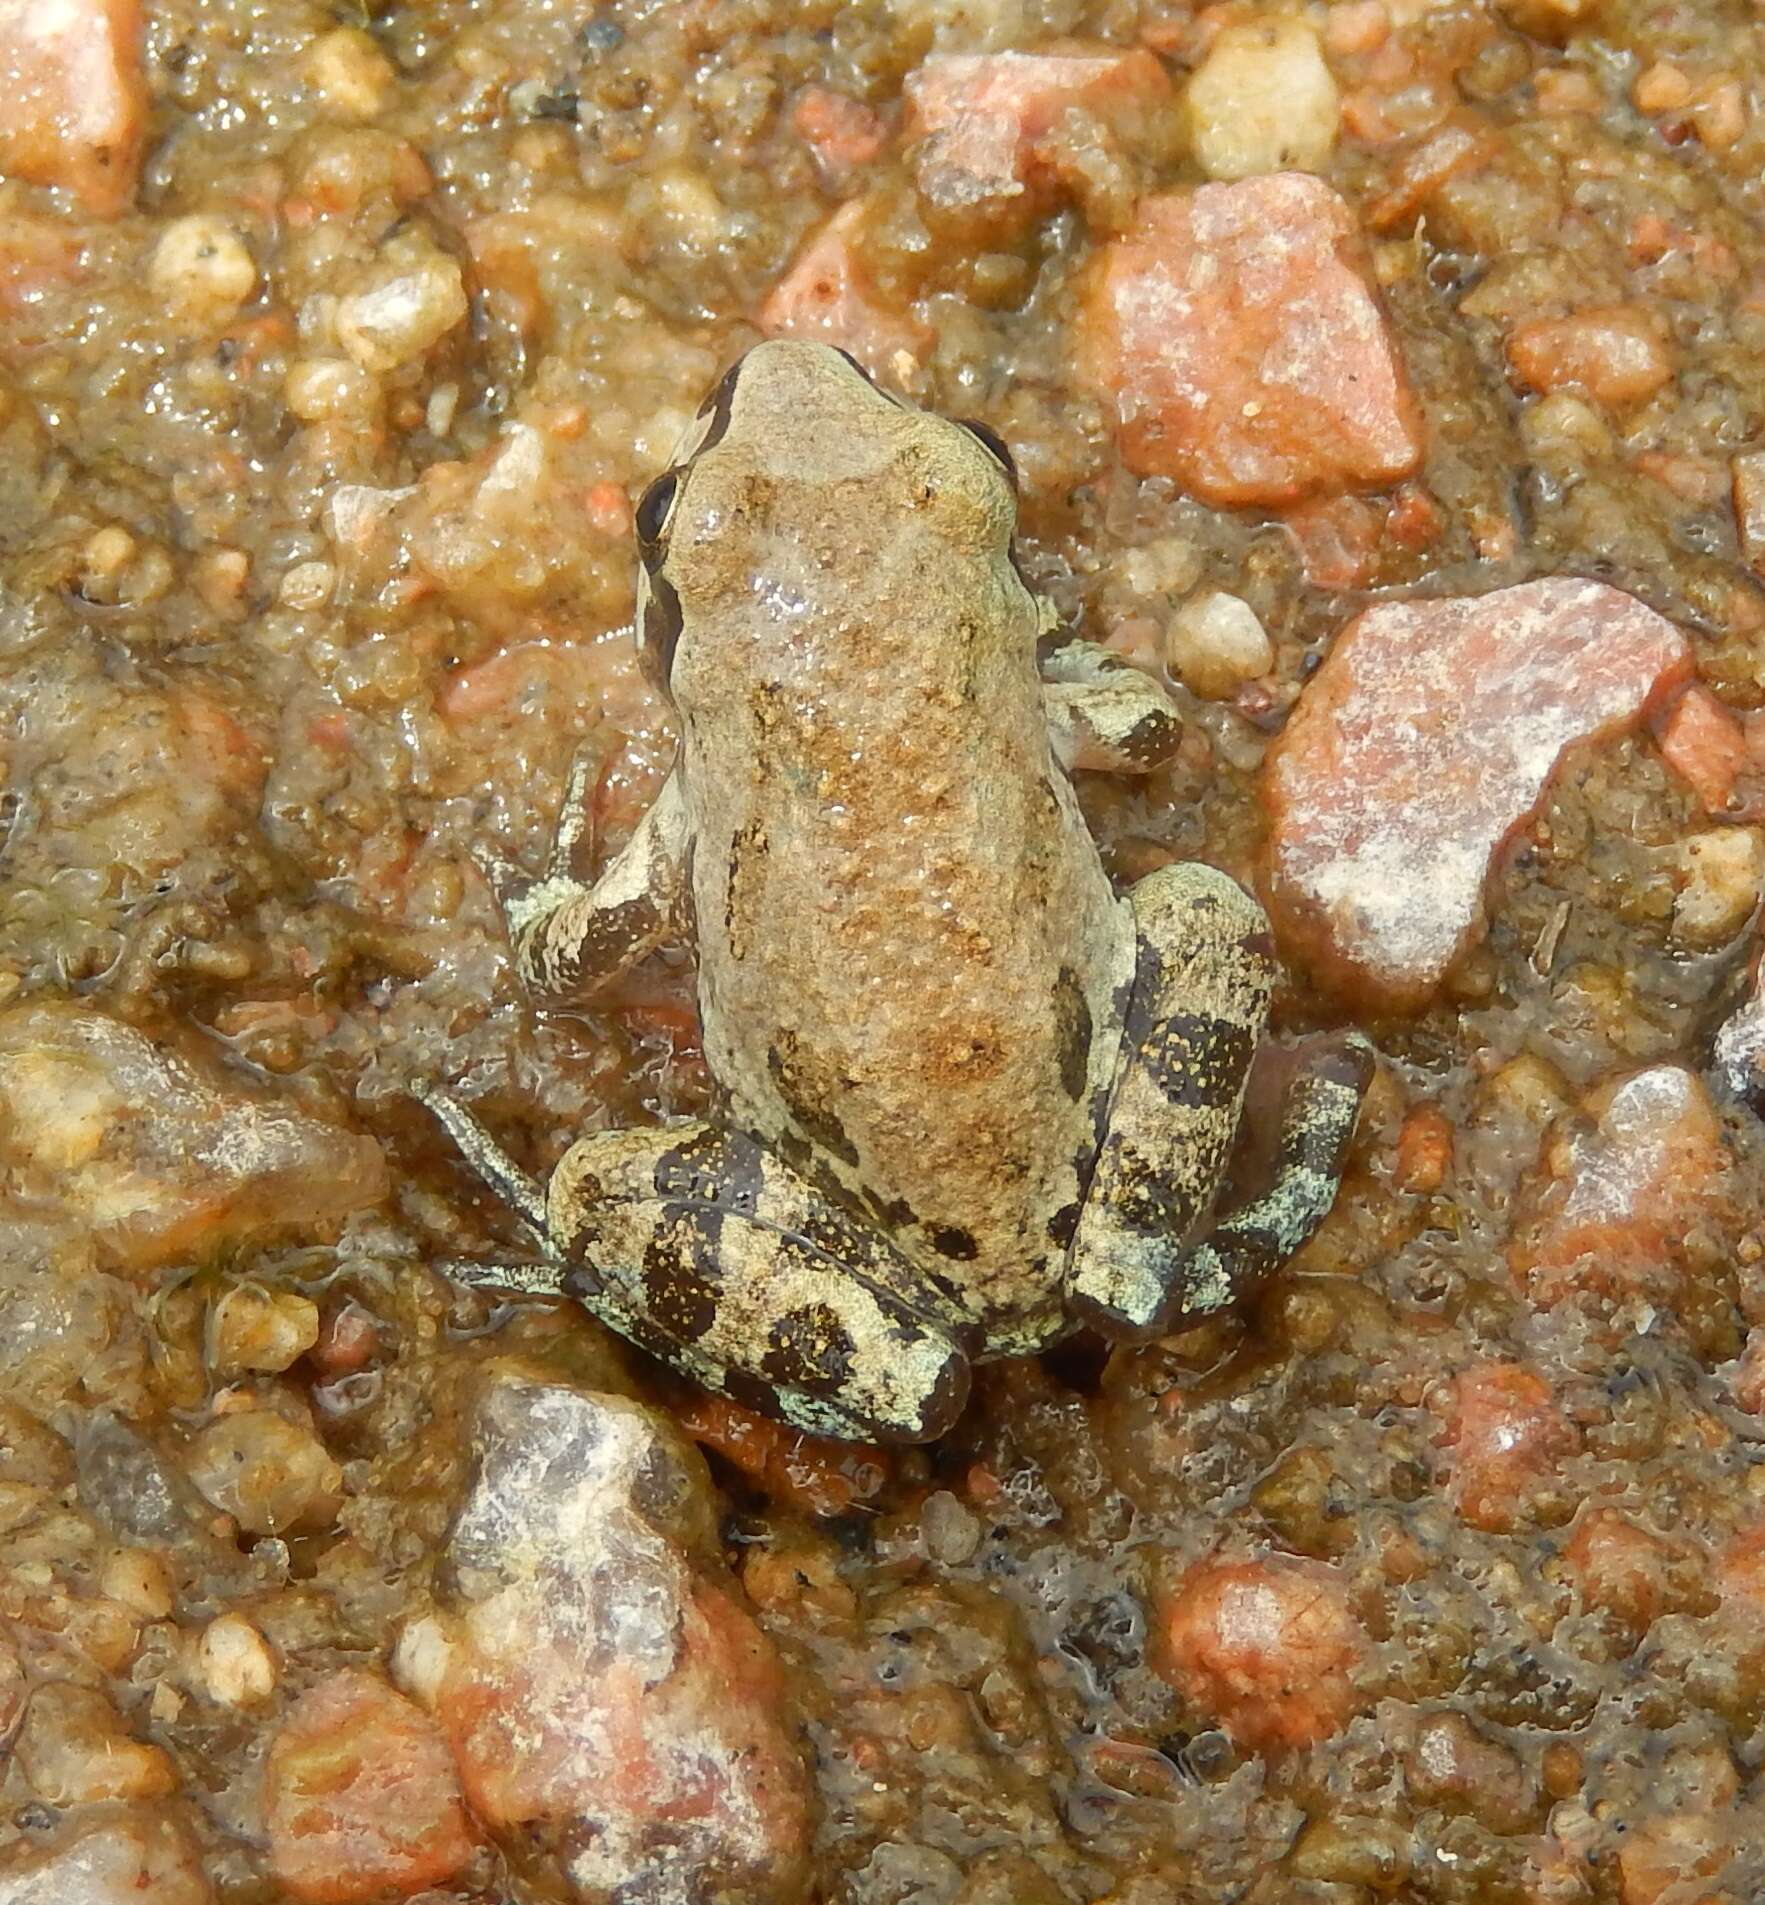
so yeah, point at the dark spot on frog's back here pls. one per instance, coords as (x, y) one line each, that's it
(1072, 1033)
(808, 1348)
(951, 1240)
(808, 1098)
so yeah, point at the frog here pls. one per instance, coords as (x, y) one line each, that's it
(969, 1098)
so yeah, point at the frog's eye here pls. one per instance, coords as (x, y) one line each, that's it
(653, 511)
(995, 443)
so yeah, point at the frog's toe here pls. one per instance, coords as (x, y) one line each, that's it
(924, 1395)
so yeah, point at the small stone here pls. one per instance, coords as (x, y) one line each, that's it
(603, 1689)
(235, 1662)
(271, 1475)
(136, 1578)
(1724, 870)
(361, 1799)
(1506, 1440)
(948, 1529)
(1617, 354)
(1216, 643)
(413, 298)
(114, 1855)
(349, 72)
(1263, 101)
(1626, 1193)
(1237, 330)
(76, 98)
(1268, 1648)
(1423, 744)
(250, 1329)
(984, 120)
(202, 266)
(74, 1748)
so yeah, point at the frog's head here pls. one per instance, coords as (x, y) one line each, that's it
(805, 495)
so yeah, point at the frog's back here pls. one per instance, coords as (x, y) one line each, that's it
(911, 963)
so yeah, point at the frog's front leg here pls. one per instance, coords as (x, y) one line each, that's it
(1104, 714)
(1205, 972)
(570, 934)
(709, 1251)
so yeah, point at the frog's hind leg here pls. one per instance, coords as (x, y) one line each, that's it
(1205, 971)
(1317, 1123)
(1104, 713)
(709, 1251)
(714, 1254)
(570, 934)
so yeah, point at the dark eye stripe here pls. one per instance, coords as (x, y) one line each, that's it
(986, 434)
(717, 407)
(658, 629)
(651, 516)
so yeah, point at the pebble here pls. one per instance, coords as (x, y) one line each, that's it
(1269, 1648)
(1215, 643)
(361, 1799)
(1238, 333)
(949, 1530)
(202, 266)
(1625, 1191)
(114, 1855)
(1262, 101)
(1423, 744)
(235, 1663)
(604, 1690)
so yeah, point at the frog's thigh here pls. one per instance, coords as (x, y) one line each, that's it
(569, 934)
(713, 1254)
(1201, 995)
(1317, 1123)
(1104, 714)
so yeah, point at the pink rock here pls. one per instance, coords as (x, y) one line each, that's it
(76, 97)
(1721, 755)
(1270, 1648)
(1239, 334)
(1424, 742)
(605, 1692)
(107, 1855)
(1629, 1190)
(984, 117)
(361, 1799)
(1506, 1438)
(829, 295)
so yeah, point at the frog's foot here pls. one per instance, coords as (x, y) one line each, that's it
(1104, 713)
(713, 1254)
(570, 934)
(1317, 1123)
(504, 1176)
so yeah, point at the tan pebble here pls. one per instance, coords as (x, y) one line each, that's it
(349, 72)
(1724, 869)
(1263, 101)
(202, 266)
(137, 1579)
(307, 585)
(948, 1529)
(329, 390)
(412, 300)
(1216, 643)
(235, 1662)
(261, 1330)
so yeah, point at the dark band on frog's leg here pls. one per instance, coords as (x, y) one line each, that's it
(1317, 1124)
(709, 1250)
(569, 935)
(1201, 992)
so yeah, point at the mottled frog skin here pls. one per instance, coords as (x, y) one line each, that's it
(970, 1097)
